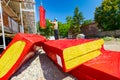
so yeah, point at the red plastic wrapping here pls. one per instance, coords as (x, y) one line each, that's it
(55, 50)
(104, 67)
(30, 39)
(42, 17)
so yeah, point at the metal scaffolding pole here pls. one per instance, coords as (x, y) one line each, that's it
(35, 18)
(3, 35)
(22, 27)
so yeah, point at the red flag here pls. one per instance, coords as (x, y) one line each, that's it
(42, 17)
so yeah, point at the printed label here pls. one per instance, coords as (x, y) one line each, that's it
(59, 60)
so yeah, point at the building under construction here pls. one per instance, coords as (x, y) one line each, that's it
(16, 16)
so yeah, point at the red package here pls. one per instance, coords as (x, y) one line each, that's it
(70, 53)
(17, 52)
(104, 67)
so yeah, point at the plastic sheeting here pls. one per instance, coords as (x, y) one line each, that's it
(17, 52)
(67, 53)
(104, 67)
(42, 17)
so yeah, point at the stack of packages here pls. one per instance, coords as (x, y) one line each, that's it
(86, 59)
(69, 54)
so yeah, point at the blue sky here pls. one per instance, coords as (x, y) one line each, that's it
(60, 9)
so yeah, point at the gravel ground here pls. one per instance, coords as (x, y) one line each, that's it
(40, 67)
(113, 45)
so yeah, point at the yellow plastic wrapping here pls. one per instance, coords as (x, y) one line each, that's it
(10, 56)
(81, 59)
(74, 51)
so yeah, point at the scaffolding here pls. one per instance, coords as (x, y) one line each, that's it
(1, 21)
(21, 12)
(29, 11)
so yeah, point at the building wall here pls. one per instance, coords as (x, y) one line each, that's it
(14, 26)
(90, 30)
(28, 17)
(5, 20)
(9, 24)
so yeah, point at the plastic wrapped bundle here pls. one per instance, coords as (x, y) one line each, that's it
(104, 67)
(17, 52)
(69, 54)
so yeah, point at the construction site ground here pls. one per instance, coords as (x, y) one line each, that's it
(40, 67)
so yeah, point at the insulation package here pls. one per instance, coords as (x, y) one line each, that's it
(18, 52)
(70, 53)
(104, 67)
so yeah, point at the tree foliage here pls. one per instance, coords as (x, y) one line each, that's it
(63, 29)
(108, 15)
(76, 21)
(45, 32)
(86, 22)
(77, 18)
(69, 20)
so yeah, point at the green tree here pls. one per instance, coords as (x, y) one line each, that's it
(47, 32)
(77, 18)
(63, 29)
(69, 20)
(86, 22)
(108, 15)
(76, 22)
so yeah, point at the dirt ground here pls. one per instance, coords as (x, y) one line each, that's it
(40, 67)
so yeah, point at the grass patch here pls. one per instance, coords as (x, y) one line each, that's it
(108, 38)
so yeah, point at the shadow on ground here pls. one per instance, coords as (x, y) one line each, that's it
(49, 71)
